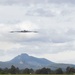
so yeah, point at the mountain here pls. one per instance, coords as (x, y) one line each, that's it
(25, 61)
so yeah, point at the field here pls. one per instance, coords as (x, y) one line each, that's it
(37, 74)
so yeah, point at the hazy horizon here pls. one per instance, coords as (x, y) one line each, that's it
(53, 19)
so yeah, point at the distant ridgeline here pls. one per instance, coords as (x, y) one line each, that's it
(26, 64)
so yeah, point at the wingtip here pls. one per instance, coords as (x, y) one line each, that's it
(35, 31)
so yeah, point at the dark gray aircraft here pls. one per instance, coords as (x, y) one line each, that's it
(23, 31)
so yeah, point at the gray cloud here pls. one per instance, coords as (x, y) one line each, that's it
(35, 1)
(40, 12)
(8, 12)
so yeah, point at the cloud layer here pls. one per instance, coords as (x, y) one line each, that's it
(54, 21)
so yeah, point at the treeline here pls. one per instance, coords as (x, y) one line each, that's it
(14, 70)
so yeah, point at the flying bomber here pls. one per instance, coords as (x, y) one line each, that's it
(23, 31)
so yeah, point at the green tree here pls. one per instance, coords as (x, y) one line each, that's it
(59, 71)
(17, 71)
(43, 71)
(6, 71)
(31, 71)
(26, 71)
(70, 70)
(1, 71)
(13, 70)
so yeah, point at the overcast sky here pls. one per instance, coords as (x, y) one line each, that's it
(53, 19)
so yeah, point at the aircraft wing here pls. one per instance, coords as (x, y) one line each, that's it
(23, 31)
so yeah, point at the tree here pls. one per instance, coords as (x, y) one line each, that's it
(43, 71)
(13, 70)
(48, 70)
(6, 71)
(26, 71)
(59, 71)
(31, 71)
(1, 71)
(17, 71)
(70, 70)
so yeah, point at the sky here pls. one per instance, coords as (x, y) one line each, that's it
(53, 19)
